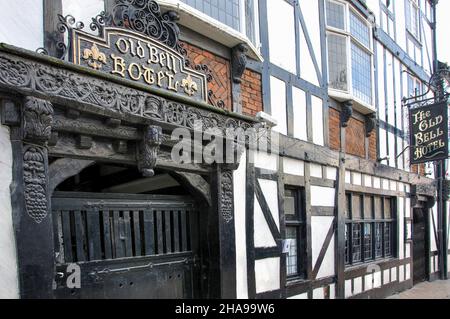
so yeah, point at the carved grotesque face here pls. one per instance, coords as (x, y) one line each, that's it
(34, 167)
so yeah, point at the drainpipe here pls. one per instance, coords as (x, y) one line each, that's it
(440, 168)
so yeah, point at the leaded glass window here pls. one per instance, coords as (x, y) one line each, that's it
(347, 243)
(368, 242)
(225, 11)
(361, 73)
(356, 243)
(370, 221)
(295, 232)
(388, 239)
(337, 62)
(336, 15)
(240, 15)
(350, 53)
(292, 256)
(378, 240)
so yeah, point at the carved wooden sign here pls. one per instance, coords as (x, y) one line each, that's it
(136, 57)
(429, 133)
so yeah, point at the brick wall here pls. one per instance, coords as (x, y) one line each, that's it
(373, 146)
(355, 137)
(251, 91)
(220, 71)
(335, 129)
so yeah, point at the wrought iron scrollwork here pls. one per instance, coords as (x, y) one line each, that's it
(439, 83)
(146, 17)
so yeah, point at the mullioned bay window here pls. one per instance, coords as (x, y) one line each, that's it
(350, 54)
(241, 15)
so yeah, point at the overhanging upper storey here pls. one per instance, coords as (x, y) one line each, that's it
(137, 45)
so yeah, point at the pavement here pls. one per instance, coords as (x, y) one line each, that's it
(427, 290)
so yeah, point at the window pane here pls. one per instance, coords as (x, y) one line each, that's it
(225, 11)
(356, 207)
(289, 202)
(348, 229)
(359, 29)
(361, 74)
(292, 256)
(378, 240)
(250, 20)
(368, 207)
(337, 62)
(368, 242)
(356, 241)
(388, 239)
(335, 15)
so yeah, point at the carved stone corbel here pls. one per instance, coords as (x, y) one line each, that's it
(37, 130)
(37, 120)
(371, 124)
(148, 150)
(238, 62)
(346, 114)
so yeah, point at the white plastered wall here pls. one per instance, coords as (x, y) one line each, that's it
(9, 286)
(22, 23)
(240, 228)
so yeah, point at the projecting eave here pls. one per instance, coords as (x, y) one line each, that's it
(209, 27)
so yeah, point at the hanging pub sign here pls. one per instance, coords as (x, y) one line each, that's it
(133, 56)
(429, 133)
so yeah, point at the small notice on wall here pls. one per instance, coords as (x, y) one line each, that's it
(429, 133)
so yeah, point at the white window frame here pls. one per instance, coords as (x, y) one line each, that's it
(414, 7)
(243, 26)
(348, 95)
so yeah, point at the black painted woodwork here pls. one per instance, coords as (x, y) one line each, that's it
(113, 239)
(420, 255)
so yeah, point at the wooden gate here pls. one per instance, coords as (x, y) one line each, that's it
(125, 246)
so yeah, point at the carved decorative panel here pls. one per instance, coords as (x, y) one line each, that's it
(226, 196)
(35, 177)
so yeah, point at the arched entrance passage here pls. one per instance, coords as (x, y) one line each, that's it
(125, 235)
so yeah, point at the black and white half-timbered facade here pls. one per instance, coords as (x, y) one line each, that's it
(244, 149)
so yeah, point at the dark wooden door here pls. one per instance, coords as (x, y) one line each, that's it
(126, 246)
(419, 242)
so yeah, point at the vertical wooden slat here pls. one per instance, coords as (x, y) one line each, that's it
(168, 231)
(176, 231)
(67, 237)
(80, 236)
(127, 233)
(137, 234)
(107, 235)
(59, 238)
(149, 229)
(118, 235)
(184, 227)
(159, 232)
(93, 232)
